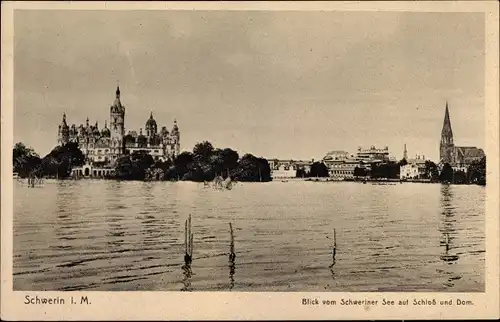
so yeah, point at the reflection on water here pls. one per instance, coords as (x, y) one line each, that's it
(188, 273)
(232, 269)
(120, 236)
(449, 235)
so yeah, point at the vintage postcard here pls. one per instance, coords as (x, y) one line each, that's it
(250, 160)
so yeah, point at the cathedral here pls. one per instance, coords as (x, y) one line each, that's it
(105, 146)
(456, 156)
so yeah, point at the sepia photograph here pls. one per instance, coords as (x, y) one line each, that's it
(249, 151)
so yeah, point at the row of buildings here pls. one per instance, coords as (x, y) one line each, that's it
(341, 164)
(102, 147)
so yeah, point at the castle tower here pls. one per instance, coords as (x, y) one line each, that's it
(446, 146)
(151, 127)
(63, 132)
(117, 126)
(405, 154)
(176, 139)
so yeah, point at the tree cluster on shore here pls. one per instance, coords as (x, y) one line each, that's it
(58, 163)
(475, 174)
(203, 164)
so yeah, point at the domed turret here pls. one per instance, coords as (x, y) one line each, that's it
(151, 127)
(95, 130)
(105, 131)
(175, 129)
(164, 132)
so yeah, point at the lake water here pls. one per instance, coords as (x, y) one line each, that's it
(129, 236)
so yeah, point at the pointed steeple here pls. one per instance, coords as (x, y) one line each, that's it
(446, 146)
(447, 115)
(405, 153)
(446, 132)
(118, 91)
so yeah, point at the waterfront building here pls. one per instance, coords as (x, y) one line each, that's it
(341, 164)
(285, 169)
(103, 147)
(459, 157)
(373, 155)
(414, 169)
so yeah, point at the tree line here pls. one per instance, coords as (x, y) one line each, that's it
(204, 163)
(58, 163)
(475, 174)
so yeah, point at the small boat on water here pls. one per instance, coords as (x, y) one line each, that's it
(227, 183)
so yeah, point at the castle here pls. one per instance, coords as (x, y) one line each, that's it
(456, 156)
(107, 145)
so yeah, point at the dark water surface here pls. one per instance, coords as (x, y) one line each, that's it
(123, 236)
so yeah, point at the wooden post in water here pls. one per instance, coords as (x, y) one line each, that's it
(334, 251)
(232, 255)
(188, 242)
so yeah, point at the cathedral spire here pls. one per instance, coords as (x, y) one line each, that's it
(447, 116)
(446, 147)
(446, 132)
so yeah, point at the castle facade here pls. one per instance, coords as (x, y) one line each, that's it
(105, 146)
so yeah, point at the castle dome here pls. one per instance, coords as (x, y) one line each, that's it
(150, 122)
(175, 129)
(105, 131)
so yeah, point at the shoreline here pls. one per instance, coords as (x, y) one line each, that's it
(278, 180)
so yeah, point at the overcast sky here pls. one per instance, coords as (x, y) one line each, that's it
(275, 84)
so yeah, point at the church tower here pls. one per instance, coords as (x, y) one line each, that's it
(405, 154)
(446, 147)
(117, 126)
